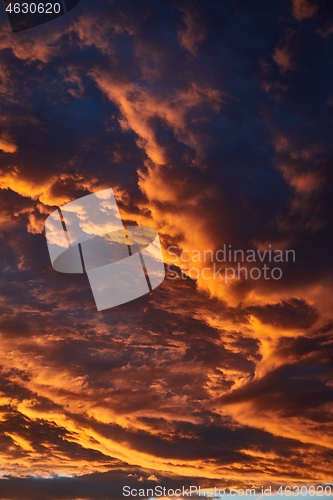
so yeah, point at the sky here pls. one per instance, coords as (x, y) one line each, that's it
(212, 123)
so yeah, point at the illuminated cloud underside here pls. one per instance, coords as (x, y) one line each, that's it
(210, 137)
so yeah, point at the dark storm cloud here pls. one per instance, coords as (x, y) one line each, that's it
(292, 314)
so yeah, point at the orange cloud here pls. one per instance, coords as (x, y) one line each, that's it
(303, 9)
(139, 107)
(7, 145)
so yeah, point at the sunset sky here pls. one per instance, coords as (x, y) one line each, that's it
(212, 122)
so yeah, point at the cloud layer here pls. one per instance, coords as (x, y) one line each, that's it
(212, 124)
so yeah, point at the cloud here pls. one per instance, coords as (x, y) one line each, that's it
(267, 401)
(292, 314)
(193, 31)
(212, 124)
(303, 9)
(7, 145)
(142, 110)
